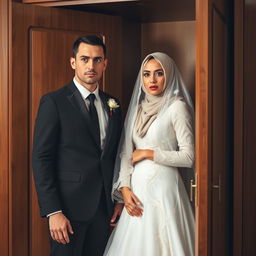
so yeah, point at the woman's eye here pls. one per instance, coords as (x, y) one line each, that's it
(146, 74)
(160, 73)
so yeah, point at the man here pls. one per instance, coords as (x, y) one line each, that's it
(75, 141)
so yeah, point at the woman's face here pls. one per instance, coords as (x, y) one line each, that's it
(153, 77)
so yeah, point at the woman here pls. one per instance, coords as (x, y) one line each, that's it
(157, 139)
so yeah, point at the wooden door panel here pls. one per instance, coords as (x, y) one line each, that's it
(249, 130)
(219, 136)
(50, 69)
(212, 146)
(202, 145)
(4, 125)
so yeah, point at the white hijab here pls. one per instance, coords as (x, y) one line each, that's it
(174, 89)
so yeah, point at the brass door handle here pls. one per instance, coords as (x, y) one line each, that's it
(193, 186)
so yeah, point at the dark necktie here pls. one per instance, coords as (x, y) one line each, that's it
(94, 116)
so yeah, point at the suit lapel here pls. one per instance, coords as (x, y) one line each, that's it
(77, 101)
(109, 130)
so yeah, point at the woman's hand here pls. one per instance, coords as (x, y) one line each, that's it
(131, 202)
(141, 154)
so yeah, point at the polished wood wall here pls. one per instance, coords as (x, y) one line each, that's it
(131, 52)
(4, 124)
(177, 39)
(42, 44)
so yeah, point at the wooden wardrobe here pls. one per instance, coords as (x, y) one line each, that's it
(36, 42)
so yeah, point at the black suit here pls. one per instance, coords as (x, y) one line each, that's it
(71, 171)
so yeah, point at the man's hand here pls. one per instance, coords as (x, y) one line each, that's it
(59, 227)
(117, 213)
(132, 203)
(141, 154)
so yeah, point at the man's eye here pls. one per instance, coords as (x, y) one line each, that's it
(85, 59)
(98, 60)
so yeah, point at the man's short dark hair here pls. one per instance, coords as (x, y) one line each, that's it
(92, 40)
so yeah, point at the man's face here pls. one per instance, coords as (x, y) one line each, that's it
(89, 65)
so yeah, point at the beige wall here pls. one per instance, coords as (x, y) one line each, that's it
(177, 39)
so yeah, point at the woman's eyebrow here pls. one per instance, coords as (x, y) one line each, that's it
(160, 69)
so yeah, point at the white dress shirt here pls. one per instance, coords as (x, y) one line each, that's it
(102, 114)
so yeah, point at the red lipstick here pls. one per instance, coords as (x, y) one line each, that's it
(153, 87)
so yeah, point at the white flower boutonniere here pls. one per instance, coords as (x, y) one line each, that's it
(112, 105)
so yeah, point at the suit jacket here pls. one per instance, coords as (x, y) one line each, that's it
(70, 169)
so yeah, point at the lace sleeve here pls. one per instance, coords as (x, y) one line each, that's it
(125, 171)
(125, 182)
(182, 124)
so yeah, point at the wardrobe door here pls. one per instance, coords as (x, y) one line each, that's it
(220, 152)
(4, 126)
(245, 129)
(50, 51)
(213, 145)
(42, 46)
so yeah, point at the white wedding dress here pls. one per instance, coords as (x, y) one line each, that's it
(166, 227)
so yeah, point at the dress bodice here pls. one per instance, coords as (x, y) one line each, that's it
(170, 136)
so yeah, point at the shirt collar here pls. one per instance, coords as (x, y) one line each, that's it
(85, 92)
